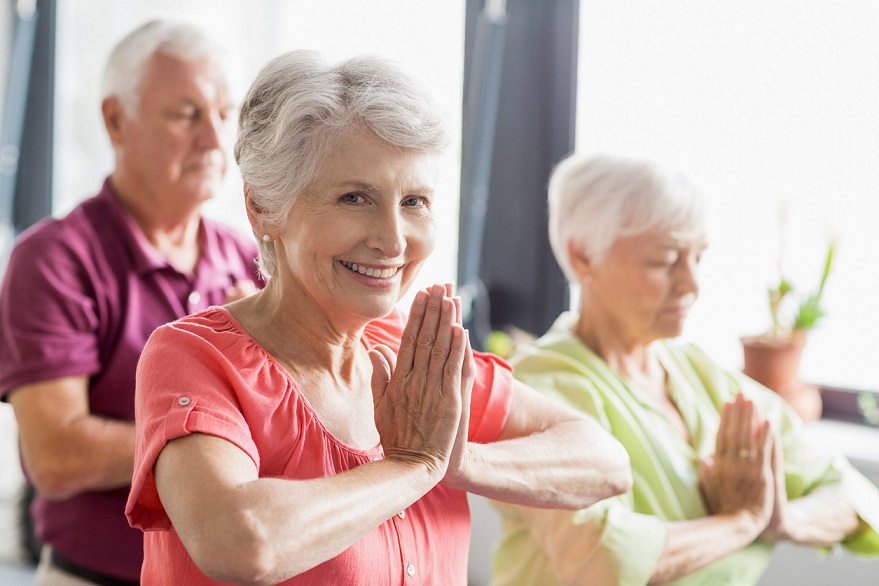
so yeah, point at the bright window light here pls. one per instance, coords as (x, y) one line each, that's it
(761, 105)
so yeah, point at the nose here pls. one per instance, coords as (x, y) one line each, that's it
(387, 232)
(688, 275)
(212, 132)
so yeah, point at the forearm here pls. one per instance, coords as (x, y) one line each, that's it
(571, 464)
(100, 453)
(693, 545)
(67, 449)
(821, 518)
(92, 453)
(268, 530)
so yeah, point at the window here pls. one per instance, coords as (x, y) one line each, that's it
(431, 32)
(760, 104)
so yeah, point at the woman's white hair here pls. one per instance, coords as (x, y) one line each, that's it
(595, 201)
(296, 108)
(176, 38)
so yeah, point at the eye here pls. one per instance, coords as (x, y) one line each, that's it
(666, 261)
(354, 197)
(190, 114)
(415, 201)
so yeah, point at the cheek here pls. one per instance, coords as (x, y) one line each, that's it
(423, 241)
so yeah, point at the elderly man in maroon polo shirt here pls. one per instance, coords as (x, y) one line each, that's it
(82, 294)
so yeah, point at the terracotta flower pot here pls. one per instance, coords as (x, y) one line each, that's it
(774, 362)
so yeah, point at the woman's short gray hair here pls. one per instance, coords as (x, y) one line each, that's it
(177, 38)
(595, 201)
(296, 108)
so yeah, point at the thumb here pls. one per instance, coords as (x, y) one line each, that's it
(382, 360)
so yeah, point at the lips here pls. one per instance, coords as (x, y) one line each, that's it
(375, 273)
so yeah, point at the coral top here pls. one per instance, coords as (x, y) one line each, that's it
(205, 374)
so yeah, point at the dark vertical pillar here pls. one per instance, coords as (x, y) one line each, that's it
(535, 126)
(33, 186)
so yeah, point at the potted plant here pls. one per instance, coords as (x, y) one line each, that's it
(773, 358)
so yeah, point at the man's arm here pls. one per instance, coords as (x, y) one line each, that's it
(66, 449)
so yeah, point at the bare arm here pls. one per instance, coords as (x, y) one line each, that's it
(66, 449)
(546, 456)
(820, 518)
(244, 529)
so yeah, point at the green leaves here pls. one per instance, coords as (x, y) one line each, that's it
(809, 311)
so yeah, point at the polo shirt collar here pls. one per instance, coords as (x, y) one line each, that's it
(145, 257)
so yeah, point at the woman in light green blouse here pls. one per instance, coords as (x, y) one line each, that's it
(721, 469)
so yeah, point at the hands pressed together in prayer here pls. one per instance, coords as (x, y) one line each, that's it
(746, 472)
(422, 395)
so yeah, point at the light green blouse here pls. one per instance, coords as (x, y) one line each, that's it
(619, 540)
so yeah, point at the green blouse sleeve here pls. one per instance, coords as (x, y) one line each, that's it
(608, 542)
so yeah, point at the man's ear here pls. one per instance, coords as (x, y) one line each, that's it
(579, 261)
(114, 119)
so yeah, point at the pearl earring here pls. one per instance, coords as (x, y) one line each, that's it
(266, 238)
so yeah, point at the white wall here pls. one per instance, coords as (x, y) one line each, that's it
(758, 103)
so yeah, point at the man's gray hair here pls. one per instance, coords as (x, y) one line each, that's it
(176, 38)
(299, 105)
(595, 201)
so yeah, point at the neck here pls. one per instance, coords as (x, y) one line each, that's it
(173, 233)
(300, 335)
(631, 357)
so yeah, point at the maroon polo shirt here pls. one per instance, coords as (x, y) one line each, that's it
(80, 297)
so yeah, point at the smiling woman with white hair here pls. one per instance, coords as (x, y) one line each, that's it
(312, 433)
(720, 469)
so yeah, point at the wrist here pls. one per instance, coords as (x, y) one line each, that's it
(458, 473)
(433, 467)
(748, 525)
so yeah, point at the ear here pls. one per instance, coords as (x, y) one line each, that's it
(579, 262)
(114, 120)
(255, 214)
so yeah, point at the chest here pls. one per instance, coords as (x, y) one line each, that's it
(346, 413)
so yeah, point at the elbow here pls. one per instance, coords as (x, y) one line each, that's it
(54, 483)
(241, 553)
(244, 562)
(619, 473)
(611, 477)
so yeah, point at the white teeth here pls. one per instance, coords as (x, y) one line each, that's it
(370, 272)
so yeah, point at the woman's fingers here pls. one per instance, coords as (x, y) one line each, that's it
(441, 349)
(430, 383)
(430, 324)
(409, 340)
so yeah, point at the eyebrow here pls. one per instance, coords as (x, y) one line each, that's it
(356, 185)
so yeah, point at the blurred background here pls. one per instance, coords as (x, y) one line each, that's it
(771, 109)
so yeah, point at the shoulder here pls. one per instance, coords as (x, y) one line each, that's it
(211, 327)
(560, 366)
(558, 350)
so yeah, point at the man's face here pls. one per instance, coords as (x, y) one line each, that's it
(172, 152)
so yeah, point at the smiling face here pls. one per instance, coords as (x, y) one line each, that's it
(173, 152)
(355, 240)
(645, 285)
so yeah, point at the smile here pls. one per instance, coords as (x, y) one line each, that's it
(370, 272)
